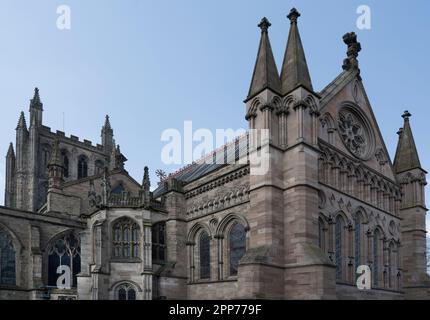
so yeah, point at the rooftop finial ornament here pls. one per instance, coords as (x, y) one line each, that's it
(293, 15)
(406, 115)
(264, 24)
(354, 47)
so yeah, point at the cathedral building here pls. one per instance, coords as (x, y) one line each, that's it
(76, 225)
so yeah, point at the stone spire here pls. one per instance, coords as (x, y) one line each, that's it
(35, 102)
(36, 110)
(21, 122)
(265, 74)
(107, 135)
(10, 151)
(354, 47)
(55, 168)
(146, 183)
(406, 154)
(295, 70)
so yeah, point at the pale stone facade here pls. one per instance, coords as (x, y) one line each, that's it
(330, 201)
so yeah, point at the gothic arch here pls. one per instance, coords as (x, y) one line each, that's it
(46, 267)
(229, 219)
(15, 239)
(362, 213)
(121, 282)
(18, 248)
(195, 230)
(289, 101)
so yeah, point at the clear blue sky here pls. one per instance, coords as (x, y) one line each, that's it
(153, 64)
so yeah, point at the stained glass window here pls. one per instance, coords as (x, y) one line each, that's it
(205, 264)
(82, 167)
(338, 247)
(66, 251)
(159, 242)
(126, 239)
(237, 246)
(7, 260)
(126, 292)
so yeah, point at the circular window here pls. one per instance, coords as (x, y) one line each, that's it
(355, 133)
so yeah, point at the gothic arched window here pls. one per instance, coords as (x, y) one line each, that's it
(82, 167)
(205, 256)
(237, 246)
(159, 242)
(99, 167)
(339, 247)
(7, 260)
(126, 239)
(65, 163)
(46, 157)
(119, 189)
(126, 292)
(376, 256)
(65, 251)
(357, 241)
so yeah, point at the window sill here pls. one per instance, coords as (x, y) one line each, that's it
(203, 281)
(119, 260)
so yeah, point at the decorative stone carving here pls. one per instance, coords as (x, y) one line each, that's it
(352, 133)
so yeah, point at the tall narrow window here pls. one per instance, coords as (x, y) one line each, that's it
(376, 256)
(321, 234)
(357, 241)
(65, 163)
(205, 256)
(339, 247)
(66, 251)
(159, 242)
(99, 167)
(126, 239)
(7, 260)
(237, 244)
(392, 265)
(82, 167)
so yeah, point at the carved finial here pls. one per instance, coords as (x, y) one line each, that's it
(264, 24)
(161, 174)
(354, 47)
(406, 115)
(293, 15)
(35, 102)
(107, 122)
(400, 131)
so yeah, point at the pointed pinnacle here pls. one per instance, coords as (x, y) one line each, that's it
(21, 122)
(35, 102)
(10, 151)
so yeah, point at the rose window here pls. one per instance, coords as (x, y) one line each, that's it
(353, 133)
